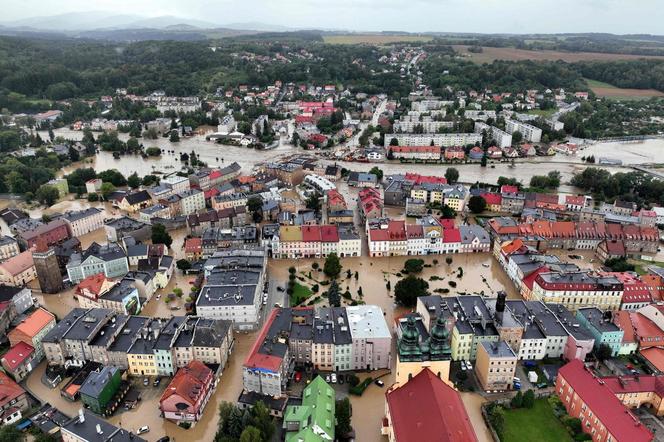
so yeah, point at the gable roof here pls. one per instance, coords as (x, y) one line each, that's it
(34, 323)
(426, 409)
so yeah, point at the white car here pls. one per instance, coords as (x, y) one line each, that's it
(469, 365)
(327, 378)
(463, 366)
(143, 429)
(333, 377)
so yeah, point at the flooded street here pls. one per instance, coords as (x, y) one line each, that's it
(649, 151)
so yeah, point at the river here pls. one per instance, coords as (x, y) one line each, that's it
(649, 151)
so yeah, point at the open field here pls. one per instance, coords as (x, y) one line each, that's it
(371, 39)
(537, 423)
(490, 54)
(610, 91)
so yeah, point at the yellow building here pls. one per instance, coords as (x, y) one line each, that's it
(495, 365)
(140, 358)
(637, 391)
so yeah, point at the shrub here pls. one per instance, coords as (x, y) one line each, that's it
(291, 270)
(314, 288)
(529, 399)
(359, 388)
(315, 266)
(452, 284)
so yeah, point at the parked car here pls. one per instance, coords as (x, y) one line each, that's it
(542, 385)
(341, 379)
(463, 365)
(280, 288)
(517, 386)
(156, 382)
(327, 378)
(333, 377)
(298, 376)
(143, 429)
(146, 382)
(469, 366)
(379, 382)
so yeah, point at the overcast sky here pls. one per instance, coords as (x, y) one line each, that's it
(489, 16)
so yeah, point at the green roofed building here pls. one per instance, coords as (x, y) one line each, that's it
(312, 421)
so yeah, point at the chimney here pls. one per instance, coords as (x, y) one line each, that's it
(500, 302)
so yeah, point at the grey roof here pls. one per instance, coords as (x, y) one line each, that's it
(153, 209)
(96, 381)
(106, 334)
(571, 323)
(125, 223)
(79, 324)
(210, 332)
(169, 331)
(469, 233)
(119, 291)
(4, 240)
(498, 349)
(137, 250)
(595, 317)
(226, 295)
(138, 197)
(80, 214)
(87, 430)
(8, 292)
(125, 338)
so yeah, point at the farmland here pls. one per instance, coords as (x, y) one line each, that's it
(490, 54)
(374, 39)
(607, 90)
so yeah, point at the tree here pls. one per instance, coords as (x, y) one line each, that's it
(529, 399)
(153, 151)
(476, 204)
(407, 290)
(255, 207)
(343, 413)
(484, 161)
(332, 266)
(9, 433)
(449, 260)
(516, 137)
(174, 137)
(47, 195)
(183, 264)
(517, 400)
(603, 352)
(497, 418)
(452, 175)
(106, 189)
(251, 434)
(51, 134)
(413, 265)
(133, 145)
(160, 235)
(333, 294)
(313, 202)
(394, 142)
(619, 265)
(73, 154)
(378, 172)
(447, 212)
(133, 181)
(262, 421)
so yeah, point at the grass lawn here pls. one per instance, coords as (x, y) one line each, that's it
(300, 293)
(542, 113)
(537, 423)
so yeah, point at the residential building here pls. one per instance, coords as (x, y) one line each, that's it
(530, 133)
(371, 338)
(133, 202)
(186, 396)
(93, 185)
(19, 297)
(124, 227)
(444, 140)
(8, 247)
(19, 361)
(602, 415)
(51, 233)
(18, 270)
(426, 409)
(84, 221)
(108, 259)
(314, 418)
(13, 400)
(99, 388)
(191, 201)
(32, 331)
(600, 325)
(502, 138)
(495, 365)
(580, 289)
(86, 427)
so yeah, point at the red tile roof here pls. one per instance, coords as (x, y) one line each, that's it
(189, 383)
(9, 390)
(606, 407)
(654, 355)
(18, 264)
(622, 319)
(34, 323)
(419, 179)
(426, 409)
(311, 233)
(329, 234)
(451, 235)
(255, 359)
(92, 283)
(193, 245)
(416, 149)
(505, 188)
(17, 355)
(492, 199)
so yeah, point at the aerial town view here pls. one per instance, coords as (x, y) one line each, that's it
(310, 221)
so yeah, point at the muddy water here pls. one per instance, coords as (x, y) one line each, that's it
(373, 276)
(212, 153)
